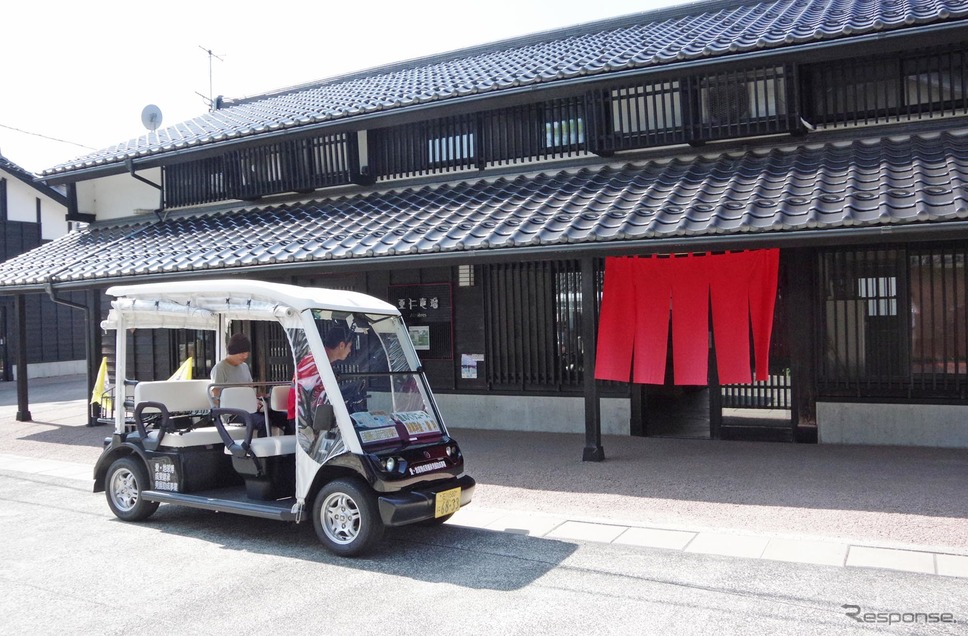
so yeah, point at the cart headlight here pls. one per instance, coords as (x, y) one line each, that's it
(451, 451)
(390, 464)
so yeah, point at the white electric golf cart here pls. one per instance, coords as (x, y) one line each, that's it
(369, 448)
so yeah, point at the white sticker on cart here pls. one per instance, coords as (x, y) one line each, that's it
(165, 477)
(426, 468)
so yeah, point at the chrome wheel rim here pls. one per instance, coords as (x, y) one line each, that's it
(340, 518)
(124, 490)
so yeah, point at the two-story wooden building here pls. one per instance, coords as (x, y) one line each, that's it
(486, 191)
(32, 214)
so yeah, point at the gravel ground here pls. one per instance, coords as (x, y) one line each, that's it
(896, 496)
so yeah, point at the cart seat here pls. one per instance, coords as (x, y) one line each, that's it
(274, 446)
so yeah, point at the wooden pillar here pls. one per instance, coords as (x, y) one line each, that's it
(93, 349)
(803, 320)
(23, 407)
(589, 329)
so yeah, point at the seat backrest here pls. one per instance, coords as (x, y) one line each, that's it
(239, 397)
(279, 398)
(176, 395)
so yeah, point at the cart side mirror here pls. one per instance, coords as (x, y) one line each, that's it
(324, 419)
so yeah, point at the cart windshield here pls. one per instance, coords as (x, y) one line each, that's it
(379, 377)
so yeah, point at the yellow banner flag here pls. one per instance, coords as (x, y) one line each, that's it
(184, 372)
(97, 394)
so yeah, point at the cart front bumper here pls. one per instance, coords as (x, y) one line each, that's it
(419, 504)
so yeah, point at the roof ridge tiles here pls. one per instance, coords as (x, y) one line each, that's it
(687, 32)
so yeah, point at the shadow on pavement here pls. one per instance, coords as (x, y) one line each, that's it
(463, 557)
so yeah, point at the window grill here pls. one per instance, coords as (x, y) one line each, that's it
(299, 165)
(430, 147)
(772, 393)
(276, 353)
(888, 89)
(743, 103)
(637, 115)
(197, 344)
(521, 134)
(894, 322)
(533, 325)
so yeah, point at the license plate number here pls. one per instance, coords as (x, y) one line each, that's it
(447, 502)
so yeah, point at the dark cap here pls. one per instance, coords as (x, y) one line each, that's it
(239, 343)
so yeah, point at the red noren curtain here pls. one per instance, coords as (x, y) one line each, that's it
(642, 295)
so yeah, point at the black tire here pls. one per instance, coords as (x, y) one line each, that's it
(126, 479)
(346, 517)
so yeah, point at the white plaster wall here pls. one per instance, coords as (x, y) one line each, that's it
(118, 196)
(531, 413)
(21, 201)
(53, 217)
(893, 424)
(22, 206)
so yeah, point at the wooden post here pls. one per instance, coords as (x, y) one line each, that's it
(593, 413)
(93, 350)
(803, 322)
(23, 407)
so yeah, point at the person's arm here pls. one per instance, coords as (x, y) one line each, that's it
(218, 377)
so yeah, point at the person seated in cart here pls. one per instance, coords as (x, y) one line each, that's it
(339, 345)
(233, 369)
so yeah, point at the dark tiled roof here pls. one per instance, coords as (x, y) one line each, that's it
(693, 32)
(886, 182)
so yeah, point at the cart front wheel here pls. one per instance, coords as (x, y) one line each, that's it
(346, 517)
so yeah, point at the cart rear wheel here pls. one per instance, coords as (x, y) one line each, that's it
(126, 479)
(346, 517)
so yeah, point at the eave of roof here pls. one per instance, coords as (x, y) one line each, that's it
(30, 179)
(691, 34)
(880, 189)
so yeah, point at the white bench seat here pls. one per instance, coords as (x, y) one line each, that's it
(274, 446)
(176, 395)
(202, 436)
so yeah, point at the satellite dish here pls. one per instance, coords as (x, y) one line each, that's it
(151, 117)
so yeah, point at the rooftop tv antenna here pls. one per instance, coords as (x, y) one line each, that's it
(210, 99)
(151, 117)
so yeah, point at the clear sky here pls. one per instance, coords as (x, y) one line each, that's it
(81, 72)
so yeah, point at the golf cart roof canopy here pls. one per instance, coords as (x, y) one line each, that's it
(201, 304)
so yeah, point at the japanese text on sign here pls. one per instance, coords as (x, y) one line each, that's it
(165, 477)
(418, 303)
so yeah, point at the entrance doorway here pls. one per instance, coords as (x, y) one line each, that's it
(755, 411)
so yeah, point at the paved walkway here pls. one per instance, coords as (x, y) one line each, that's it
(894, 508)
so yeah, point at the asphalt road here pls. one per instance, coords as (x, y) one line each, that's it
(67, 566)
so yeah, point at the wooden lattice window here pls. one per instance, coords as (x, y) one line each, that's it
(895, 322)
(881, 89)
(533, 320)
(637, 115)
(298, 165)
(743, 103)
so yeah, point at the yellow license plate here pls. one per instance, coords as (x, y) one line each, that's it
(447, 502)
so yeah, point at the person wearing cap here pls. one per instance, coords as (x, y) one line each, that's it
(233, 369)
